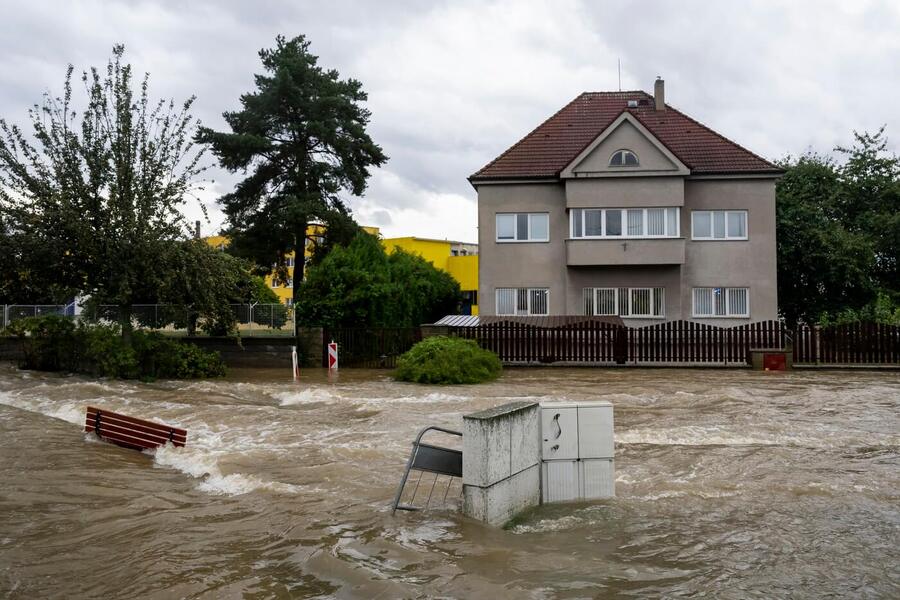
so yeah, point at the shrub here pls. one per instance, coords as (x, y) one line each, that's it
(447, 360)
(48, 343)
(56, 343)
(160, 356)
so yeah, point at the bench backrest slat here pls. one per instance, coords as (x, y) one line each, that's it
(132, 432)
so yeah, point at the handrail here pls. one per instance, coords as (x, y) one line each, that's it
(412, 459)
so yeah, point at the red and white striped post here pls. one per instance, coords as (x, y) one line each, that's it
(332, 356)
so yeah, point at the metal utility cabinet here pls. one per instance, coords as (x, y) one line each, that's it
(577, 451)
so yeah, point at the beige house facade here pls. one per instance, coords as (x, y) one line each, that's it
(621, 205)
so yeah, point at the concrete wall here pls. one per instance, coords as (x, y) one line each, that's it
(521, 264)
(501, 469)
(624, 192)
(265, 351)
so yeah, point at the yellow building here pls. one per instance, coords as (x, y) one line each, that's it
(285, 289)
(457, 258)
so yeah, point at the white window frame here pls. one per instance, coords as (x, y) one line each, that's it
(516, 218)
(624, 152)
(727, 237)
(618, 301)
(727, 291)
(624, 235)
(528, 293)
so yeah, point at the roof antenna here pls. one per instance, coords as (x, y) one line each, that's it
(619, 62)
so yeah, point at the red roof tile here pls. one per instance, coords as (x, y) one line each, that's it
(557, 141)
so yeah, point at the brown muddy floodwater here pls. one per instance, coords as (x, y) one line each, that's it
(730, 484)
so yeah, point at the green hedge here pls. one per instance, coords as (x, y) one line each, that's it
(55, 343)
(447, 360)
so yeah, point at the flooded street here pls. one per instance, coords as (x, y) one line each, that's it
(732, 484)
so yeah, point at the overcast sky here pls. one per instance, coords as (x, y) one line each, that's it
(453, 84)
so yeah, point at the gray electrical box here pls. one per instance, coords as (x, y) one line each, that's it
(577, 451)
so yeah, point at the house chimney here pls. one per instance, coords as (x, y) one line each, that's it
(197, 229)
(659, 93)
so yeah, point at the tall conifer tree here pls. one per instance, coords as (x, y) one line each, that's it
(301, 139)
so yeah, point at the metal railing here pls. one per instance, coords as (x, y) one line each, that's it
(252, 319)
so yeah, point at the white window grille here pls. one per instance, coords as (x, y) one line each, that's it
(523, 227)
(721, 302)
(625, 302)
(719, 225)
(639, 223)
(523, 301)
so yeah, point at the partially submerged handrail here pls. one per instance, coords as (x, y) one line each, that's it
(412, 459)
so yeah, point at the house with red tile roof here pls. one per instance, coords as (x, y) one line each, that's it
(621, 205)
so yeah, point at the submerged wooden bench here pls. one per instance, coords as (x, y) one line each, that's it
(131, 432)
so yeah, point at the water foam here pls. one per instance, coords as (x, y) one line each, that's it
(808, 437)
(71, 412)
(307, 396)
(203, 465)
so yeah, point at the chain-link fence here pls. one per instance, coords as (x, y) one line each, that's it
(252, 319)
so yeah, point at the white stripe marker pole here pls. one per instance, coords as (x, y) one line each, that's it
(332, 356)
(295, 363)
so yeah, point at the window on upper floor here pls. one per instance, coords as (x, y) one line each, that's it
(523, 227)
(523, 301)
(721, 302)
(623, 158)
(719, 225)
(625, 302)
(624, 222)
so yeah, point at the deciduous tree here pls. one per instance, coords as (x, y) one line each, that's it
(363, 286)
(101, 190)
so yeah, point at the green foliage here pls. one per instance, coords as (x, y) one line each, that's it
(839, 234)
(301, 136)
(55, 343)
(447, 360)
(92, 203)
(50, 341)
(882, 310)
(362, 286)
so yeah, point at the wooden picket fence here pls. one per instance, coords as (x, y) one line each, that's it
(592, 342)
(674, 342)
(848, 344)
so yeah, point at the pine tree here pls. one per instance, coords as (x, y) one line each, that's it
(301, 139)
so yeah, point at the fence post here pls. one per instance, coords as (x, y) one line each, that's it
(814, 331)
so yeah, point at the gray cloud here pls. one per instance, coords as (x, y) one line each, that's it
(452, 84)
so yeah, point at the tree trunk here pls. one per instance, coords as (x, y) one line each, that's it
(299, 269)
(191, 323)
(125, 322)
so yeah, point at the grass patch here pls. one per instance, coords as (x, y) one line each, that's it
(447, 360)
